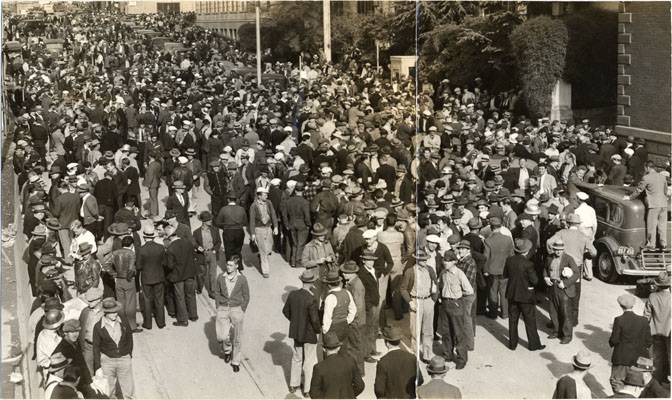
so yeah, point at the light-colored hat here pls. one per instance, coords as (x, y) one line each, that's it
(582, 196)
(262, 189)
(433, 239)
(182, 160)
(369, 234)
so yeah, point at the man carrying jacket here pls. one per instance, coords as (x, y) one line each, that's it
(561, 274)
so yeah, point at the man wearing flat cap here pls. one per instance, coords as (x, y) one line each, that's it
(337, 375)
(397, 370)
(630, 338)
(208, 252)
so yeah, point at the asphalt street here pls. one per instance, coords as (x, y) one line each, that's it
(178, 362)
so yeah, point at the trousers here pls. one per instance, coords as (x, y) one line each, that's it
(127, 296)
(451, 328)
(560, 311)
(497, 295)
(422, 314)
(185, 299)
(661, 357)
(529, 312)
(371, 329)
(656, 221)
(232, 239)
(153, 201)
(470, 319)
(227, 318)
(355, 346)
(304, 358)
(264, 236)
(153, 299)
(618, 373)
(119, 370)
(299, 237)
(64, 237)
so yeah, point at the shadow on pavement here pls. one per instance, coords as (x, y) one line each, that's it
(499, 332)
(558, 368)
(211, 334)
(595, 386)
(281, 353)
(597, 341)
(250, 259)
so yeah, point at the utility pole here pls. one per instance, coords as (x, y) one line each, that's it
(326, 24)
(258, 12)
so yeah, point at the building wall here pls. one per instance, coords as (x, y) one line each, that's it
(644, 73)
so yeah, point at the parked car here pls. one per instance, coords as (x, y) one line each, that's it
(621, 234)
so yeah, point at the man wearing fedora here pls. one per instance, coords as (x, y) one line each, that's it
(182, 276)
(151, 259)
(522, 279)
(232, 296)
(48, 338)
(577, 244)
(337, 375)
(263, 225)
(113, 349)
(178, 203)
(437, 387)
(208, 249)
(318, 253)
(498, 247)
(355, 341)
(54, 377)
(561, 275)
(87, 270)
(397, 370)
(657, 203)
(66, 209)
(418, 288)
(304, 325)
(630, 338)
(572, 385)
(88, 319)
(339, 308)
(653, 387)
(121, 263)
(232, 219)
(657, 311)
(296, 217)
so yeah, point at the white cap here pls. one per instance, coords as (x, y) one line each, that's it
(275, 182)
(433, 239)
(279, 156)
(582, 195)
(228, 149)
(287, 129)
(369, 234)
(182, 159)
(72, 165)
(262, 189)
(291, 184)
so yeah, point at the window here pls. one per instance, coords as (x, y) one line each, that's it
(601, 209)
(616, 216)
(365, 7)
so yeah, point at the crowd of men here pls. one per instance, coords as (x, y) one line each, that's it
(443, 210)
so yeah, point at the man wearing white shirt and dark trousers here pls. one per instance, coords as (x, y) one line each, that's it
(588, 226)
(339, 307)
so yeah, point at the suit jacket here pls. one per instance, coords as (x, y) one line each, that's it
(66, 209)
(395, 375)
(655, 186)
(180, 260)
(521, 274)
(150, 263)
(336, 377)
(438, 389)
(90, 210)
(153, 175)
(296, 213)
(630, 338)
(570, 283)
(371, 295)
(216, 237)
(182, 211)
(498, 248)
(301, 311)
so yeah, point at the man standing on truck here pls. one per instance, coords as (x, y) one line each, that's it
(655, 186)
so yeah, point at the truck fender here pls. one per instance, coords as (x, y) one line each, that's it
(609, 244)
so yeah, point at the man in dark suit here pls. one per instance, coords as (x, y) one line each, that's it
(178, 203)
(180, 263)
(150, 262)
(296, 217)
(630, 338)
(304, 323)
(437, 388)
(208, 249)
(367, 275)
(66, 209)
(337, 376)
(522, 279)
(231, 220)
(397, 370)
(152, 182)
(561, 275)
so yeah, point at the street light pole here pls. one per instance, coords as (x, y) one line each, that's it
(326, 25)
(258, 12)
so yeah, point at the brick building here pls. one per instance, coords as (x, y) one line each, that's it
(644, 73)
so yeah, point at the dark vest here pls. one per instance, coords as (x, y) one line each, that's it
(340, 313)
(218, 183)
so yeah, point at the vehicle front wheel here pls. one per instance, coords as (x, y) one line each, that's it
(606, 270)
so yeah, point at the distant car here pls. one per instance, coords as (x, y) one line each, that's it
(621, 234)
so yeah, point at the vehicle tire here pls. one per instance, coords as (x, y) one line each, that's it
(606, 269)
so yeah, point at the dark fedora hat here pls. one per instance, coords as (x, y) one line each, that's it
(331, 341)
(349, 267)
(53, 319)
(53, 224)
(332, 277)
(205, 216)
(522, 246)
(308, 276)
(110, 305)
(318, 230)
(391, 333)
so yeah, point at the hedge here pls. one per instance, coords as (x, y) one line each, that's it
(540, 48)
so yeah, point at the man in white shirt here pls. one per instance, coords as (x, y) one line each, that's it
(339, 307)
(588, 227)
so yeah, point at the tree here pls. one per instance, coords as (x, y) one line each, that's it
(540, 48)
(476, 47)
(298, 25)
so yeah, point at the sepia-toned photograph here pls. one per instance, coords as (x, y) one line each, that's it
(335, 199)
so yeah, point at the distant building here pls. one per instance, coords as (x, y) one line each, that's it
(153, 7)
(226, 17)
